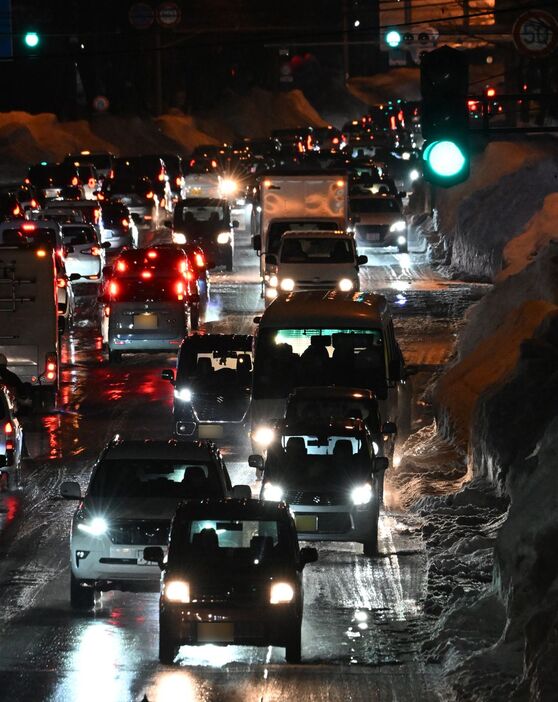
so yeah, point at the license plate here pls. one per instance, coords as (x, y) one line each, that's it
(215, 632)
(210, 431)
(306, 522)
(373, 236)
(195, 191)
(145, 321)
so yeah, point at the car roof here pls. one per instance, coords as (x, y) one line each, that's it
(334, 426)
(330, 391)
(153, 449)
(231, 508)
(314, 309)
(217, 342)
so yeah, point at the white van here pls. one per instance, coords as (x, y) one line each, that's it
(315, 260)
(323, 338)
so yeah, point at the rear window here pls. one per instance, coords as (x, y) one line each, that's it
(137, 290)
(51, 176)
(79, 235)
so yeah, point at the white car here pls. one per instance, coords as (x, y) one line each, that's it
(132, 496)
(378, 220)
(11, 442)
(85, 256)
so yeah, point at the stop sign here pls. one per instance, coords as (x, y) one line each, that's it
(168, 14)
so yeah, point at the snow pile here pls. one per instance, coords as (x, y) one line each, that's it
(507, 187)
(541, 230)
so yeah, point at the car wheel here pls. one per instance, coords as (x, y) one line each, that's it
(229, 262)
(80, 597)
(293, 648)
(168, 647)
(403, 249)
(114, 356)
(370, 546)
(195, 317)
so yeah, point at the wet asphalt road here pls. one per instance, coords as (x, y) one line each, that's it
(363, 621)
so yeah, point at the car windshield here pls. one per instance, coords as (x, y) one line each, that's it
(277, 229)
(210, 371)
(289, 358)
(317, 250)
(375, 205)
(158, 289)
(51, 176)
(242, 542)
(155, 478)
(73, 236)
(36, 235)
(322, 408)
(207, 214)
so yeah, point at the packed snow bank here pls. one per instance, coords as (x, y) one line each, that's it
(540, 231)
(507, 187)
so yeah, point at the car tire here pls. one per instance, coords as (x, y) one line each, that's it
(195, 317)
(114, 356)
(370, 546)
(168, 647)
(229, 261)
(293, 647)
(81, 597)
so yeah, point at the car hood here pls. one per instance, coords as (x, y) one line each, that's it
(132, 508)
(322, 271)
(379, 218)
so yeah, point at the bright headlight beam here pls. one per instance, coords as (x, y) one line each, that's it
(177, 591)
(183, 394)
(96, 527)
(263, 436)
(361, 494)
(272, 493)
(345, 284)
(281, 593)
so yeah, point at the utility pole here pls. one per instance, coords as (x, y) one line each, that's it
(158, 66)
(345, 13)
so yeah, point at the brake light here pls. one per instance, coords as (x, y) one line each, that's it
(213, 164)
(189, 275)
(180, 290)
(61, 282)
(149, 195)
(51, 366)
(192, 162)
(75, 181)
(17, 210)
(200, 261)
(91, 182)
(27, 181)
(125, 223)
(113, 288)
(28, 227)
(178, 180)
(161, 176)
(151, 254)
(146, 275)
(97, 214)
(182, 266)
(9, 431)
(335, 140)
(34, 203)
(100, 196)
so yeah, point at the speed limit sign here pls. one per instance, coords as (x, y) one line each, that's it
(535, 33)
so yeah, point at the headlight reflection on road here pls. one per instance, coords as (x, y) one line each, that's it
(169, 687)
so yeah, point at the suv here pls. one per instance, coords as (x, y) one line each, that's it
(233, 575)
(212, 384)
(133, 493)
(378, 220)
(330, 477)
(11, 442)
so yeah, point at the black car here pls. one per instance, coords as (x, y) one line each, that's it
(233, 575)
(212, 384)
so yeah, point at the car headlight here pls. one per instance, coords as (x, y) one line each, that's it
(223, 238)
(281, 593)
(271, 293)
(414, 175)
(273, 281)
(177, 591)
(183, 394)
(375, 447)
(96, 527)
(401, 240)
(345, 284)
(398, 226)
(405, 155)
(287, 284)
(178, 238)
(362, 494)
(272, 492)
(227, 187)
(263, 436)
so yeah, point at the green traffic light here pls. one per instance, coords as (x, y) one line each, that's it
(393, 38)
(445, 158)
(31, 39)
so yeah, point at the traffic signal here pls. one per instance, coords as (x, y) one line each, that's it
(444, 83)
(393, 38)
(31, 40)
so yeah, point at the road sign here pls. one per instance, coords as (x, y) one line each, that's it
(168, 15)
(101, 103)
(535, 33)
(141, 15)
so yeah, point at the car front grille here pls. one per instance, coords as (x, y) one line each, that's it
(220, 408)
(233, 594)
(305, 497)
(136, 532)
(330, 522)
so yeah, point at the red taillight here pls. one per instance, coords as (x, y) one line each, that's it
(75, 181)
(161, 176)
(214, 164)
(91, 182)
(111, 173)
(149, 195)
(178, 180)
(192, 162)
(180, 290)
(200, 261)
(125, 223)
(34, 203)
(51, 366)
(17, 210)
(113, 288)
(61, 282)
(28, 227)
(152, 254)
(9, 432)
(335, 140)
(27, 181)
(146, 275)
(121, 266)
(107, 311)
(189, 275)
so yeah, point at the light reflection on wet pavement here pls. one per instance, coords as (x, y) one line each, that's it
(363, 620)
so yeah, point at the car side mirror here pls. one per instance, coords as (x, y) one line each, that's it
(395, 369)
(256, 461)
(106, 245)
(167, 223)
(271, 259)
(154, 554)
(168, 374)
(70, 490)
(362, 260)
(381, 463)
(257, 242)
(242, 492)
(389, 428)
(308, 555)
(257, 319)
(75, 276)
(235, 223)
